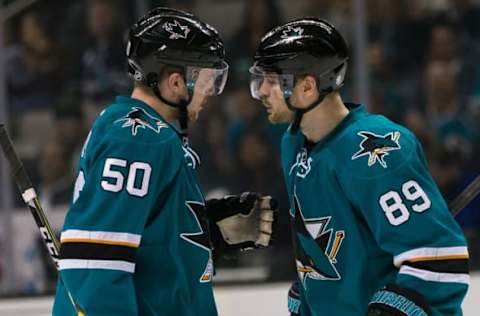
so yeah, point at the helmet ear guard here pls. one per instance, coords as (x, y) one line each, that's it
(334, 79)
(135, 71)
(152, 80)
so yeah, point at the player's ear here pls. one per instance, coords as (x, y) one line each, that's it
(176, 83)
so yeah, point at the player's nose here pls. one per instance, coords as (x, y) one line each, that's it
(264, 90)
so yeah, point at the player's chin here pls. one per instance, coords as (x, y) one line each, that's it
(285, 117)
(272, 118)
(193, 117)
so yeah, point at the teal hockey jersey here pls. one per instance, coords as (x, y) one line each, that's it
(135, 239)
(365, 213)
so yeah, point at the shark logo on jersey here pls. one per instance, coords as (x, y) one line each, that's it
(139, 118)
(311, 244)
(303, 164)
(200, 238)
(377, 147)
(176, 30)
(291, 31)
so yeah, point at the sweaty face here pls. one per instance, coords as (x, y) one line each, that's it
(273, 99)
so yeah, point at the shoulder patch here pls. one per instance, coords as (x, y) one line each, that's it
(377, 147)
(139, 118)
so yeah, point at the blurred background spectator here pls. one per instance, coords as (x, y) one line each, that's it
(34, 64)
(102, 55)
(259, 16)
(423, 61)
(56, 176)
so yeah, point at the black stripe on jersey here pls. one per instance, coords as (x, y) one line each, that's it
(92, 251)
(441, 266)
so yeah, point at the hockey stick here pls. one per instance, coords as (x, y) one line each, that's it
(30, 198)
(465, 197)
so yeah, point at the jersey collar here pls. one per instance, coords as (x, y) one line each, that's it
(138, 103)
(355, 111)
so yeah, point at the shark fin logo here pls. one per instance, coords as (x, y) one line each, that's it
(291, 31)
(176, 30)
(139, 118)
(200, 238)
(377, 147)
(316, 254)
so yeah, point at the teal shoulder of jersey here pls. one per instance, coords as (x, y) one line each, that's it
(131, 120)
(132, 127)
(372, 145)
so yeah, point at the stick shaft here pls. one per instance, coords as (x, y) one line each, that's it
(31, 200)
(467, 195)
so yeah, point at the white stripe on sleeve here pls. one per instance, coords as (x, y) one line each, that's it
(72, 234)
(436, 276)
(65, 264)
(430, 253)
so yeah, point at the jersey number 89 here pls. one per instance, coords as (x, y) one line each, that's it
(396, 211)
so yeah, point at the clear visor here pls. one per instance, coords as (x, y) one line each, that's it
(262, 82)
(207, 81)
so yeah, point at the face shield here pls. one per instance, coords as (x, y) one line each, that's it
(207, 81)
(261, 81)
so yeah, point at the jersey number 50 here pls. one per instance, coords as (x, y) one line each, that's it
(396, 211)
(115, 179)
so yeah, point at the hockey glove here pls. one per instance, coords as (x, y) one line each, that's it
(294, 299)
(396, 301)
(241, 222)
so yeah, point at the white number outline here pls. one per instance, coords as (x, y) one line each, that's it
(132, 175)
(119, 178)
(393, 208)
(116, 175)
(79, 184)
(413, 196)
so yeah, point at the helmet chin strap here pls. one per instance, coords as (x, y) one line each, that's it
(181, 106)
(300, 112)
(183, 120)
(151, 80)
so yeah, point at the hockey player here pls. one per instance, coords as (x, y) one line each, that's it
(137, 239)
(372, 233)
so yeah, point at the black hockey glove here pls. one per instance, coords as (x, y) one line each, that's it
(294, 299)
(241, 222)
(396, 301)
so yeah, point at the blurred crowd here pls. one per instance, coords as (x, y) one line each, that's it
(423, 59)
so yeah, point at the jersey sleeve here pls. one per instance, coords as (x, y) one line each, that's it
(117, 191)
(409, 219)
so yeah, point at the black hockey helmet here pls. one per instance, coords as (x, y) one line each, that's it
(300, 47)
(169, 37)
(304, 46)
(166, 36)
